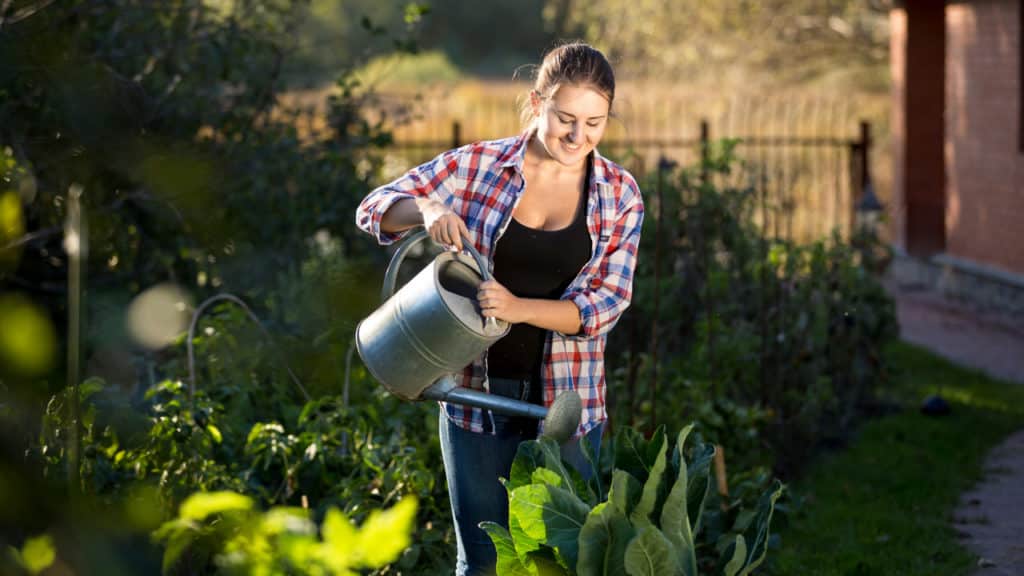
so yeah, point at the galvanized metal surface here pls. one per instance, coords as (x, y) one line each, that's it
(431, 327)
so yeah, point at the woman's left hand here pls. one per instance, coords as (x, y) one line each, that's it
(497, 302)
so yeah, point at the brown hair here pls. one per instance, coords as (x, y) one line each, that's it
(576, 63)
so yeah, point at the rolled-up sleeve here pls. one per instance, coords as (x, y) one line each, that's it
(606, 293)
(428, 179)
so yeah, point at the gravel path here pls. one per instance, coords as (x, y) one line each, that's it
(990, 517)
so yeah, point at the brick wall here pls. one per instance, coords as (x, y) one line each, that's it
(984, 161)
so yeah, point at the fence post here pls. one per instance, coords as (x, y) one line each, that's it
(860, 170)
(705, 149)
(456, 134)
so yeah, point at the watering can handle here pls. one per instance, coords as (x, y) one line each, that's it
(391, 275)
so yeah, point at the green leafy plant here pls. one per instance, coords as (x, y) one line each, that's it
(647, 524)
(240, 539)
(36, 555)
(771, 346)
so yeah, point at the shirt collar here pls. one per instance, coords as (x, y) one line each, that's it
(516, 153)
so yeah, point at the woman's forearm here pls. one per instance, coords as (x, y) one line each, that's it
(558, 315)
(401, 216)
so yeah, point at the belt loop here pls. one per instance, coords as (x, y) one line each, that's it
(524, 389)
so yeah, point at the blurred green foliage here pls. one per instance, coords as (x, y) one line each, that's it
(244, 540)
(773, 347)
(166, 113)
(247, 430)
(732, 42)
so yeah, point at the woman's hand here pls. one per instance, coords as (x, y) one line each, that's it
(444, 226)
(497, 302)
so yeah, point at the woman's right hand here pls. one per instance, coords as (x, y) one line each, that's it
(444, 226)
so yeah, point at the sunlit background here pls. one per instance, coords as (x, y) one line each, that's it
(181, 276)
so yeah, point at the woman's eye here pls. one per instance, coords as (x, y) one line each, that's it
(564, 121)
(593, 124)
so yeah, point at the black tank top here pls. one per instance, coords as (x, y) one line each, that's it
(534, 263)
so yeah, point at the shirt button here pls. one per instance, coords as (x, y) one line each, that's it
(595, 283)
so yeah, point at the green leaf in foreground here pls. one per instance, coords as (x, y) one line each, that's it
(651, 554)
(386, 533)
(550, 515)
(675, 520)
(625, 491)
(603, 541)
(739, 557)
(37, 554)
(509, 563)
(199, 506)
(755, 539)
(653, 487)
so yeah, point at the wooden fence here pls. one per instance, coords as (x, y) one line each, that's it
(811, 183)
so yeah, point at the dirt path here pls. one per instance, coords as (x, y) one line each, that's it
(990, 517)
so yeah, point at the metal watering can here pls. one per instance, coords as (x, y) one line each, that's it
(432, 328)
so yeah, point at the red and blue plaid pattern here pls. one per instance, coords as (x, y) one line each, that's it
(482, 183)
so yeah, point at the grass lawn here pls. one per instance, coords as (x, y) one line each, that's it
(884, 505)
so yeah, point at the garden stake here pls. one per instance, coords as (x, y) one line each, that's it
(76, 244)
(720, 477)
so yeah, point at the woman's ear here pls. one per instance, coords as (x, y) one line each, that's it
(535, 101)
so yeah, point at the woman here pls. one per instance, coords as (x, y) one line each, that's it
(560, 225)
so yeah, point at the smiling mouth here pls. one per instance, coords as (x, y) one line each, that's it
(571, 147)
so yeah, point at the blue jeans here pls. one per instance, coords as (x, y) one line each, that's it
(473, 463)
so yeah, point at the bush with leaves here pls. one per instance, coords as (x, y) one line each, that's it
(772, 347)
(240, 539)
(329, 457)
(645, 525)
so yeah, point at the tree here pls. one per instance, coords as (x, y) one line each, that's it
(690, 39)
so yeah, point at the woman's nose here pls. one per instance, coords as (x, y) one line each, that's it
(574, 133)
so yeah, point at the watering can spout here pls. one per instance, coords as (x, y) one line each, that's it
(560, 420)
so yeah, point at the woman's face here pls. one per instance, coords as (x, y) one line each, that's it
(570, 122)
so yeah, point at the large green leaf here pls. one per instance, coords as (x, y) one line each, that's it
(758, 534)
(549, 515)
(509, 563)
(385, 533)
(755, 538)
(653, 488)
(37, 554)
(698, 473)
(650, 554)
(202, 504)
(544, 563)
(675, 521)
(738, 550)
(594, 460)
(523, 542)
(625, 491)
(541, 453)
(547, 476)
(603, 542)
(635, 454)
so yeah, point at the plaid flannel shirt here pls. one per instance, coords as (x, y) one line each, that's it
(482, 183)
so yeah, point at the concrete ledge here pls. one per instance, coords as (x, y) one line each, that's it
(975, 284)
